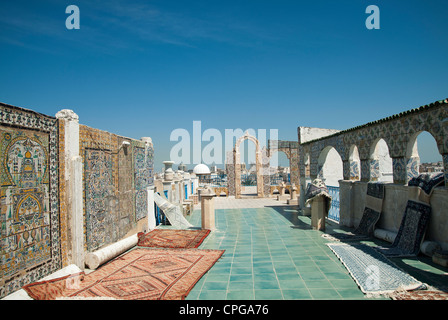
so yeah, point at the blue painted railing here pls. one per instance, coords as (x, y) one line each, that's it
(333, 214)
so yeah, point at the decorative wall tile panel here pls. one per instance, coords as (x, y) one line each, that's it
(399, 170)
(374, 169)
(412, 166)
(29, 215)
(101, 222)
(354, 170)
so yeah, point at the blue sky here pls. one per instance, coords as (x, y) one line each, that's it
(144, 68)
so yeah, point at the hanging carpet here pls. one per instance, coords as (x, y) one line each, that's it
(416, 216)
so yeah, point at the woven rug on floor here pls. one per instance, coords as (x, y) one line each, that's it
(420, 295)
(373, 272)
(170, 238)
(140, 274)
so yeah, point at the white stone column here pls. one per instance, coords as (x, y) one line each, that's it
(207, 209)
(73, 182)
(151, 212)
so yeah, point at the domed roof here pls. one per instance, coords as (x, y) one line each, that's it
(201, 169)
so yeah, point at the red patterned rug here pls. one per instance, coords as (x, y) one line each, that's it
(141, 274)
(170, 238)
(420, 295)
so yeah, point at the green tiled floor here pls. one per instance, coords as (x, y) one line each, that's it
(272, 253)
(266, 258)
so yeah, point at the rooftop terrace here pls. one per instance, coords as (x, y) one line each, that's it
(273, 253)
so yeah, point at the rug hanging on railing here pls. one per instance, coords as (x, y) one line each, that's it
(411, 232)
(422, 187)
(373, 272)
(141, 274)
(415, 218)
(370, 216)
(172, 212)
(170, 238)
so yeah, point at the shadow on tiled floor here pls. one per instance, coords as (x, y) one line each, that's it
(267, 259)
(273, 253)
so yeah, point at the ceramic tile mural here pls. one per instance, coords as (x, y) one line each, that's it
(116, 176)
(63, 220)
(29, 239)
(143, 177)
(100, 177)
(25, 213)
(100, 221)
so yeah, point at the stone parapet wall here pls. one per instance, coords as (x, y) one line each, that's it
(399, 132)
(352, 204)
(66, 190)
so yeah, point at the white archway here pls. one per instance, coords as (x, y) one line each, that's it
(422, 148)
(330, 166)
(237, 163)
(355, 163)
(381, 168)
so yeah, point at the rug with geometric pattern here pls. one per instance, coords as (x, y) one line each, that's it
(420, 295)
(171, 238)
(141, 274)
(374, 273)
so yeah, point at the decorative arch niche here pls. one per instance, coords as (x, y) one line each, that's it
(330, 166)
(381, 167)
